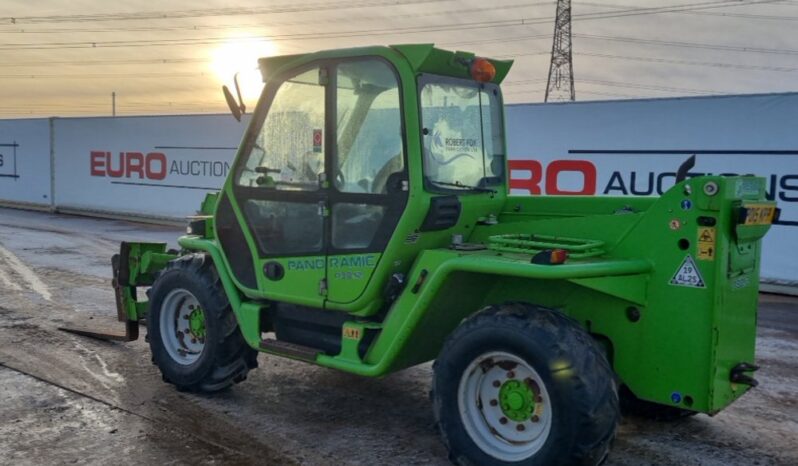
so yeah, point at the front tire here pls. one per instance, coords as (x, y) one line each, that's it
(193, 334)
(517, 384)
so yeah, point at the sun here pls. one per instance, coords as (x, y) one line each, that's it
(240, 55)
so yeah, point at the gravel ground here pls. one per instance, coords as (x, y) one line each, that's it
(67, 399)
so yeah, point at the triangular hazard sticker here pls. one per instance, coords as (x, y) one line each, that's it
(688, 274)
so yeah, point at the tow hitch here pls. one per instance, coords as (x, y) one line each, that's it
(738, 374)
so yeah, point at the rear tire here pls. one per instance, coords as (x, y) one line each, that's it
(518, 384)
(193, 334)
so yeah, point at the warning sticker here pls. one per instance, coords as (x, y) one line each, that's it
(706, 252)
(317, 140)
(688, 274)
(706, 234)
(352, 333)
(706, 243)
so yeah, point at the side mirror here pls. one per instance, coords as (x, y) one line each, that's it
(235, 109)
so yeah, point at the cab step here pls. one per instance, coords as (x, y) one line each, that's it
(291, 350)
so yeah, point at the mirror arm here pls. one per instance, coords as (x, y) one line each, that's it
(237, 107)
(238, 92)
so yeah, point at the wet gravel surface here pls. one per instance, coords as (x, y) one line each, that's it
(71, 400)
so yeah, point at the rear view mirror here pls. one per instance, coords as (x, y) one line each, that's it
(235, 108)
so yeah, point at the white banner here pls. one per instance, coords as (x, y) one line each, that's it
(162, 166)
(153, 166)
(25, 161)
(633, 148)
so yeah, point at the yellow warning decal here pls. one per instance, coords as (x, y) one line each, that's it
(352, 333)
(706, 243)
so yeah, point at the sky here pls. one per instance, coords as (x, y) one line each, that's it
(66, 58)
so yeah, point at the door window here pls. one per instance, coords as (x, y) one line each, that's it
(355, 225)
(369, 127)
(285, 227)
(288, 151)
(369, 157)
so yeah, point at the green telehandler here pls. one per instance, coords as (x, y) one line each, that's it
(366, 225)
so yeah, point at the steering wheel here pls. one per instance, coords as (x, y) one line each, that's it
(394, 164)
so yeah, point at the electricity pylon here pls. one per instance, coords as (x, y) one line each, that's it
(561, 70)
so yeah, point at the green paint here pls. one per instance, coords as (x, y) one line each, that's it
(623, 255)
(196, 323)
(517, 400)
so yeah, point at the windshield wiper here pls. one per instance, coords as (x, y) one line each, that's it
(460, 185)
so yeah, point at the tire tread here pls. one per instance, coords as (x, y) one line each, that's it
(563, 337)
(234, 358)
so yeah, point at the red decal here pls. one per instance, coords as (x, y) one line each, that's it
(587, 169)
(134, 163)
(151, 172)
(97, 163)
(531, 184)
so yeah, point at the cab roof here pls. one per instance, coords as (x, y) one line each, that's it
(423, 58)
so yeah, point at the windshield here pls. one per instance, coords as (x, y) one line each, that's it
(462, 135)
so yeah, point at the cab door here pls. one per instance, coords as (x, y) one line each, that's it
(279, 192)
(369, 186)
(320, 185)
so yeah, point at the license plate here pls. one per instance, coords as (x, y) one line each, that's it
(759, 214)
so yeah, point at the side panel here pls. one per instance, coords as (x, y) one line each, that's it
(25, 162)
(148, 166)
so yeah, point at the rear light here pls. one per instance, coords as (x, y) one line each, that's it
(550, 257)
(482, 70)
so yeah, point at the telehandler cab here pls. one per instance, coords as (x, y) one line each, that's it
(367, 226)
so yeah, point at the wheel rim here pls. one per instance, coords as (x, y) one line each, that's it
(182, 323)
(504, 406)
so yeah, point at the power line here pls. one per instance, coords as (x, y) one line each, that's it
(510, 83)
(523, 82)
(609, 94)
(691, 45)
(366, 32)
(602, 82)
(636, 40)
(742, 15)
(691, 62)
(103, 76)
(714, 13)
(649, 87)
(210, 12)
(516, 55)
(139, 61)
(499, 40)
(202, 27)
(279, 37)
(670, 9)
